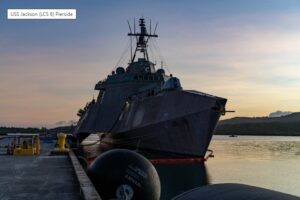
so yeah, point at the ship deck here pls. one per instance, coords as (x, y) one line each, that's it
(44, 177)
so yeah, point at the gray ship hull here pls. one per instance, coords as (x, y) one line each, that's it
(181, 123)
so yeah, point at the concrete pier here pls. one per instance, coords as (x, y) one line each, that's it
(44, 177)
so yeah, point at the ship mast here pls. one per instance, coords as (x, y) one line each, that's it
(142, 39)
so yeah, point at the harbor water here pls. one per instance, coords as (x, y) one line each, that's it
(271, 162)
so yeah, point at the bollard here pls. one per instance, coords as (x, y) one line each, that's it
(61, 141)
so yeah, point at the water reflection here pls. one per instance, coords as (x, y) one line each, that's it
(247, 147)
(263, 161)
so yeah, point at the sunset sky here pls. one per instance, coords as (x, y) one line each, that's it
(247, 51)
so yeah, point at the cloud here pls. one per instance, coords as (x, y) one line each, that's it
(66, 123)
(279, 113)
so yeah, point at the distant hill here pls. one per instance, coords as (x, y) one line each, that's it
(288, 125)
(4, 130)
(64, 129)
(285, 125)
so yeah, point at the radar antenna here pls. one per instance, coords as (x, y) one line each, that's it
(142, 39)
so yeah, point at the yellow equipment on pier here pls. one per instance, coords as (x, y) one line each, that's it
(24, 144)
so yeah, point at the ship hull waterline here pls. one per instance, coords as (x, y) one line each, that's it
(181, 137)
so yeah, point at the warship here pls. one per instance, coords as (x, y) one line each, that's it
(140, 107)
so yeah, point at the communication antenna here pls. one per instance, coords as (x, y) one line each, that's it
(142, 39)
(150, 26)
(150, 30)
(130, 39)
(129, 26)
(155, 28)
(136, 37)
(134, 25)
